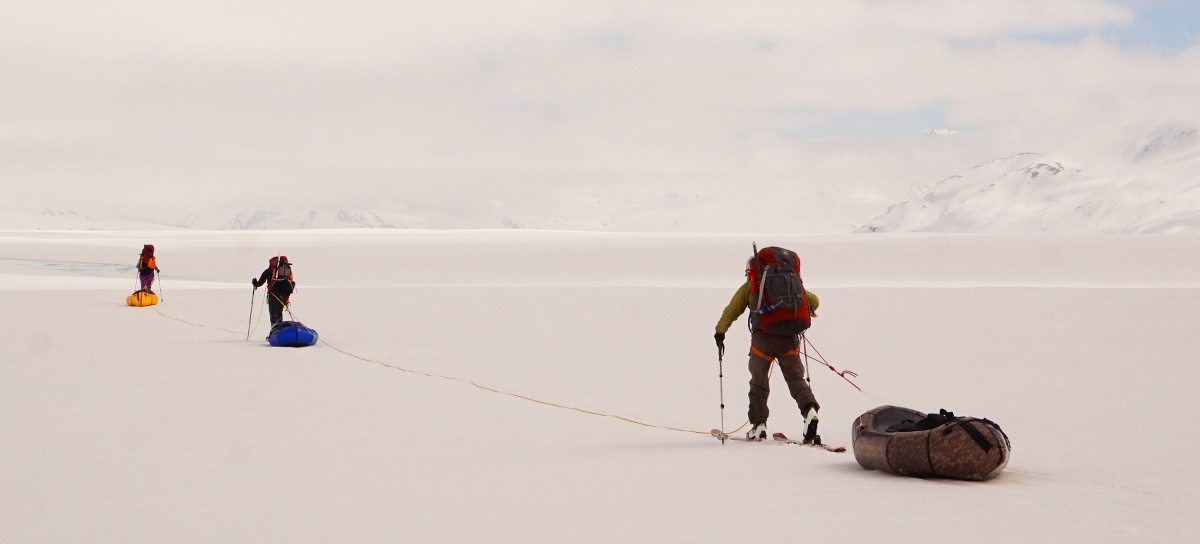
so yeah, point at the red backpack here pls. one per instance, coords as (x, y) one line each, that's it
(281, 270)
(778, 304)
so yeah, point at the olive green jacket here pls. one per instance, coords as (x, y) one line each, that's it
(741, 302)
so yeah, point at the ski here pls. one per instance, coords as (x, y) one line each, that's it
(779, 438)
(740, 438)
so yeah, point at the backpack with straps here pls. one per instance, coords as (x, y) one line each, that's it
(281, 270)
(778, 304)
(145, 258)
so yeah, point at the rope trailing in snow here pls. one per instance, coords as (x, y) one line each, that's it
(462, 380)
(506, 393)
(260, 314)
(159, 312)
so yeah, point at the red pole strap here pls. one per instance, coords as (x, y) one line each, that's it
(821, 359)
(818, 358)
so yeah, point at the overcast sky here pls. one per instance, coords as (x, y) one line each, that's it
(462, 105)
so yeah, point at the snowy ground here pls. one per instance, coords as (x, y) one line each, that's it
(165, 424)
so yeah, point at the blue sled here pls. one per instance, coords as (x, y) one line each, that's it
(292, 334)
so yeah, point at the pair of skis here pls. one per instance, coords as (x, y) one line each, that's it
(779, 438)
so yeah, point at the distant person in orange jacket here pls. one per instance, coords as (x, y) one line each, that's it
(147, 267)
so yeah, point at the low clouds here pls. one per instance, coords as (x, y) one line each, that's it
(447, 109)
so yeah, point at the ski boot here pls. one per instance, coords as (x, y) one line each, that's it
(810, 428)
(758, 431)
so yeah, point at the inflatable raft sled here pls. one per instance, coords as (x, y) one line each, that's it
(292, 334)
(909, 443)
(142, 298)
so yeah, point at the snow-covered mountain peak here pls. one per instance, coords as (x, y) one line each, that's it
(1115, 180)
(1173, 138)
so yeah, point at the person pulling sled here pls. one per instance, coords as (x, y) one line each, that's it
(280, 285)
(780, 311)
(146, 268)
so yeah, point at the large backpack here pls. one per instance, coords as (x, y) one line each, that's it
(281, 270)
(144, 259)
(778, 304)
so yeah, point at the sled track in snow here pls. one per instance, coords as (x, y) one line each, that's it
(457, 379)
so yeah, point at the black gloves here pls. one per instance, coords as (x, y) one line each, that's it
(720, 344)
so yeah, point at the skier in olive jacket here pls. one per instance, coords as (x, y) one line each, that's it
(765, 348)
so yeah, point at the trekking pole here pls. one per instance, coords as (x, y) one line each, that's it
(721, 377)
(161, 296)
(250, 320)
(804, 348)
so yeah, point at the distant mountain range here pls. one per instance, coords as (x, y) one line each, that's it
(1116, 180)
(234, 220)
(1112, 181)
(269, 220)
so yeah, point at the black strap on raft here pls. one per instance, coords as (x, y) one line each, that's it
(931, 421)
(1007, 443)
(974, 433)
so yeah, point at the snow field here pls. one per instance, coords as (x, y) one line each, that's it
(164, 424)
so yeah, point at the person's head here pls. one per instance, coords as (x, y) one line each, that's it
(148, 249)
